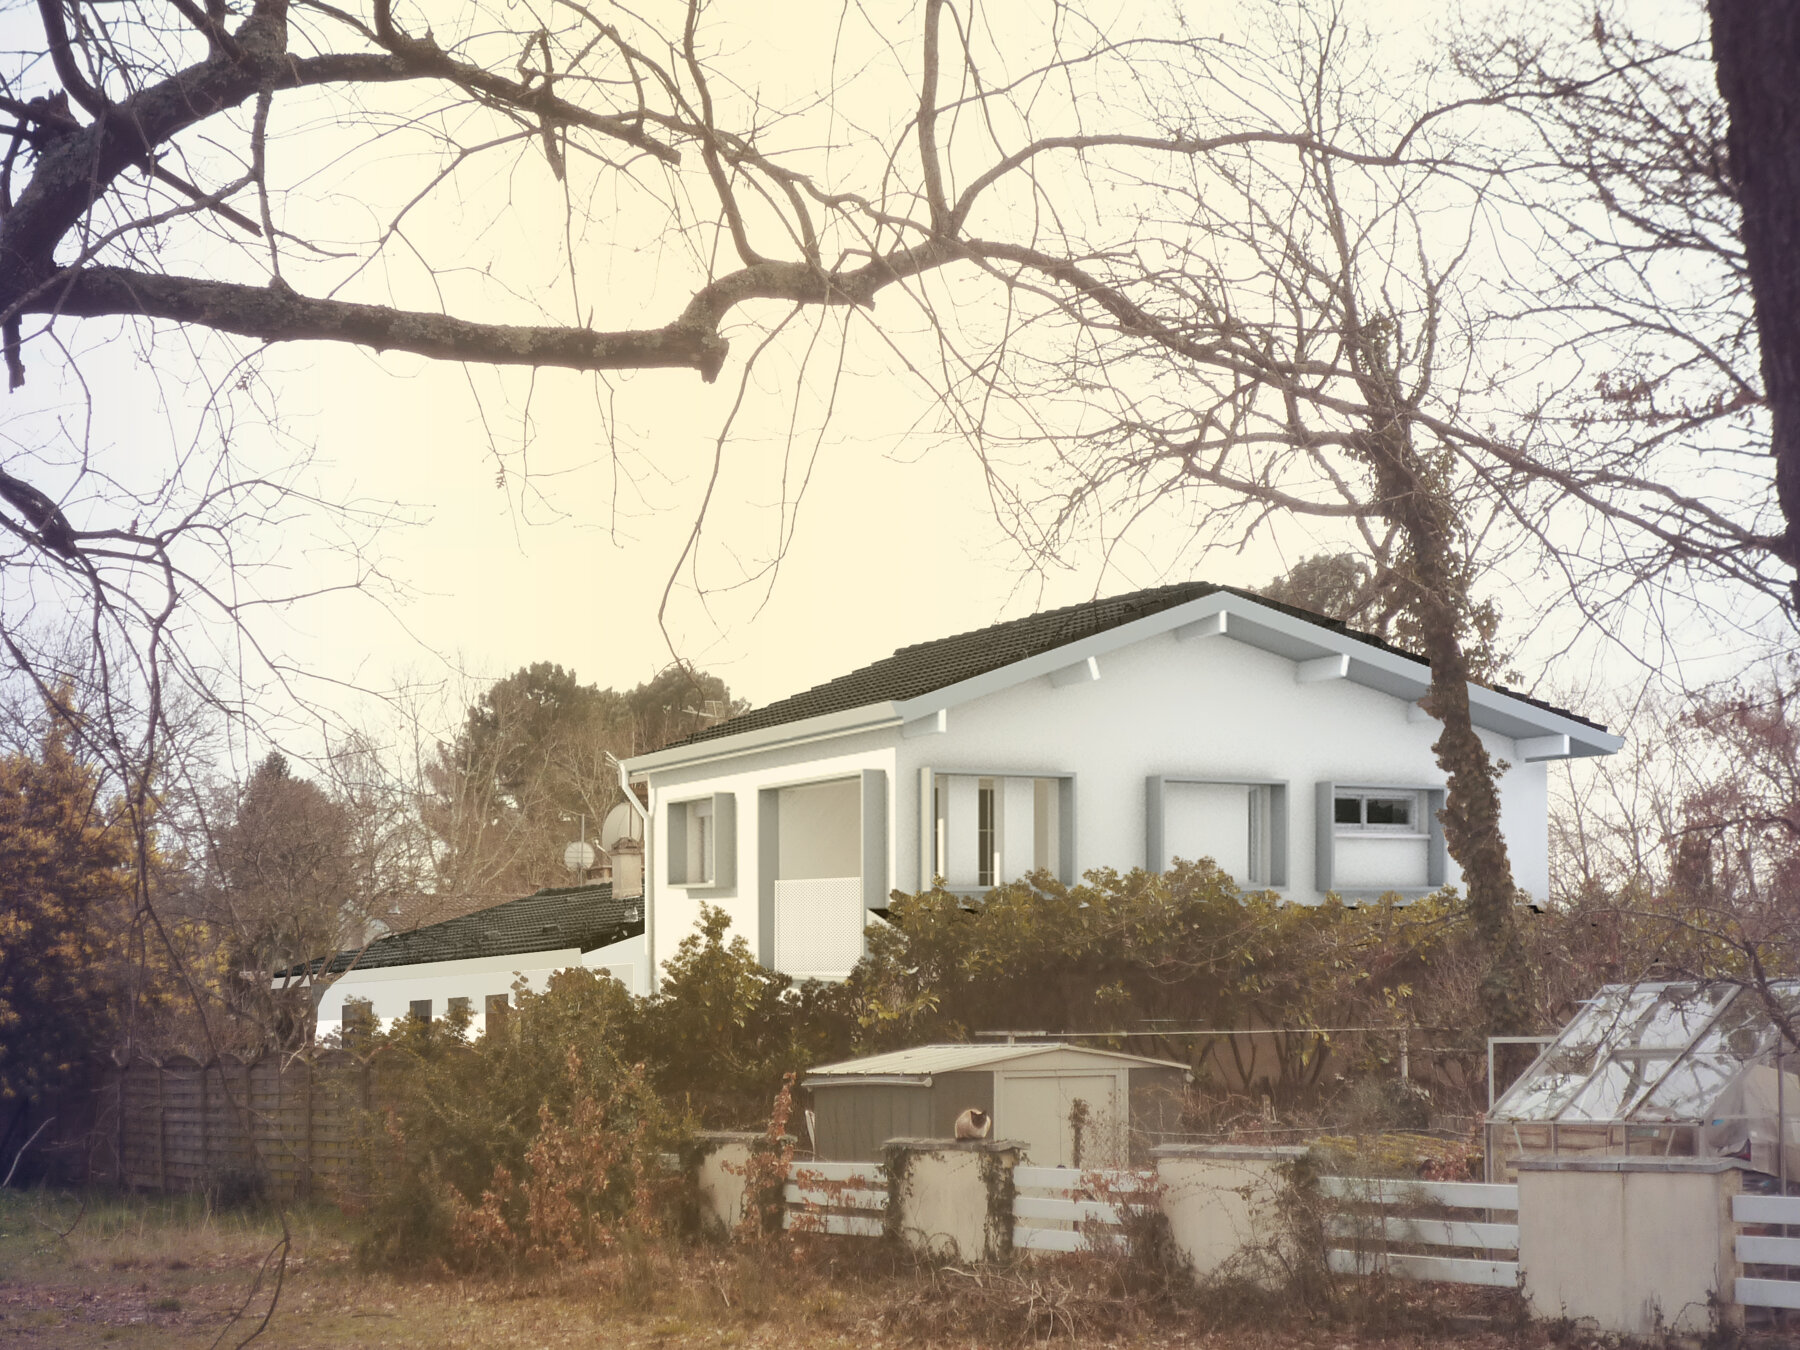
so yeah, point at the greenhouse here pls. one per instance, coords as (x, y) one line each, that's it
(1676, 1070)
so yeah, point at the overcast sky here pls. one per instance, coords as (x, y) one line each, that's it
(545, 515)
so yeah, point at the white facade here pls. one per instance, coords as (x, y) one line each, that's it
(1292, 754)
(391, 991)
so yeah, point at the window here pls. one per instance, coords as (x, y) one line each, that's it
(987, 846)
(979, 830)
(358, 1019)
(1241, 824)
(419, 1010)
(1377, 813)
(498, 1005)
(460, 1011)
(701, 844)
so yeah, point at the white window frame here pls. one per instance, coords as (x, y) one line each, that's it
(1413, 829)
(1268, 810)
(713, 818)
(935, 826)
(1427, 828)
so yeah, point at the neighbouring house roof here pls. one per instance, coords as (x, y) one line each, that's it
(583, 917)
(922, 1060)
(905, 679)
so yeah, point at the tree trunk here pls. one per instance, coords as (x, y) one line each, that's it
(1471, 815)
(1756, 45)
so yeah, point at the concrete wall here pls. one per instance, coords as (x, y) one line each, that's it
(720, 1178)
(1634, 1246)
(1222, 1203)
(952, 1201)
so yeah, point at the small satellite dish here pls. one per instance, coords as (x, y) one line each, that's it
(579, 856)
(621, 823)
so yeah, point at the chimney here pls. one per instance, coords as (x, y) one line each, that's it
(628, 869)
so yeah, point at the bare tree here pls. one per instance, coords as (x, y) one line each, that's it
(1756, 47)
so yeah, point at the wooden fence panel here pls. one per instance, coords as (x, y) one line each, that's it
(293, 1125)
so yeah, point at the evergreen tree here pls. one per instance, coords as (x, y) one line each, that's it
(65, 892)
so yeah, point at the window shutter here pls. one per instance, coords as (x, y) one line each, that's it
(675, 843)
(724, 839)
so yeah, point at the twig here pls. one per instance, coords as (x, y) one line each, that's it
(48, 1121)
(279, 1255)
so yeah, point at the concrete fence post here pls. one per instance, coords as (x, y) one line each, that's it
(1225, 1205)
(952, 1199)
(1634, 1246)
(718, 1167)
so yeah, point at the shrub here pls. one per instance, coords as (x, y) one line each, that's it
(539, 1142)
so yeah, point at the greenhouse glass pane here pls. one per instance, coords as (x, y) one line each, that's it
(1677, 1016)
(1690, 1089)
(1567, 1064)
(1618, 1084)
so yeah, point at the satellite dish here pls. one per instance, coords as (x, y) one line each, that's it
(621, 823)
(579, 856)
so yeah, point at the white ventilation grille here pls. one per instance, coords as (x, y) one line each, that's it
(819, 927)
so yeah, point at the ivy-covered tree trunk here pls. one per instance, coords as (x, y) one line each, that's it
(1413, 498)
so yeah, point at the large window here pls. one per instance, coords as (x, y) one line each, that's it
(822, 851)
(987, 833)
(1240, 824)
(984, 830)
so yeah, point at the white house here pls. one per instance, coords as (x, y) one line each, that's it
(1181, 722)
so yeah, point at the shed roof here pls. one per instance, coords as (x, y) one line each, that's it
(923, 1060)
(556, 917)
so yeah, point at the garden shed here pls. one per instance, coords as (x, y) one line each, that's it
(1675, 1069)
(1071, 1106)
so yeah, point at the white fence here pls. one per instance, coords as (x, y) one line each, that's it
(849, 1199)
(1381, 1215)
(1056, 1209)
(1768, 1250)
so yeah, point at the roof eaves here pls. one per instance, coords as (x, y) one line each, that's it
(825, 726)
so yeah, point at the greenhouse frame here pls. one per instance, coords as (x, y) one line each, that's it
(1676, 1069)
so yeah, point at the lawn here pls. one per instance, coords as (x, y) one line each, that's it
(157, 1272)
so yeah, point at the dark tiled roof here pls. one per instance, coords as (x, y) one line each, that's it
(562, 916)
(927, 666)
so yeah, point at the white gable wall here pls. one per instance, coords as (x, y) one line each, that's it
(1203, 708)
(1206, 708)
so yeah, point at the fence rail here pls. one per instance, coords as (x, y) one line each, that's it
(1765, 1250)
(1056, 1209)
(845, 1199)
(1377, 1230)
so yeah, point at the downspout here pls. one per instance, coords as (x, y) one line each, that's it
(643, 816)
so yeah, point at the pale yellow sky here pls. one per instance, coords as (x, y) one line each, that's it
(894, 543)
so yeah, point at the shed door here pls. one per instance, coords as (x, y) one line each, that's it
(1041, 1109)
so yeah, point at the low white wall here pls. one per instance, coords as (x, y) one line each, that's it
(1222, 1203)
(721, 1178)
(391, 990)
(952, 1200)
(1632, 1246)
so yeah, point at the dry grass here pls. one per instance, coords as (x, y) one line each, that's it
(161, 1273)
